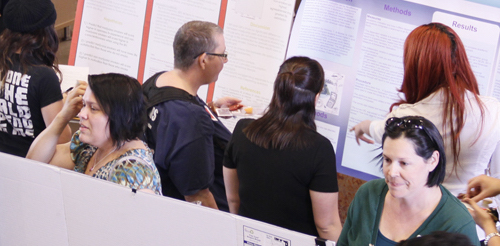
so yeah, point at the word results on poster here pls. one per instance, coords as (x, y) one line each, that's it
(253, 237)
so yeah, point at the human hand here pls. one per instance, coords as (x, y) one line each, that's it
(231, 102)
(360, 130)
(73, 101)
(481, 217)
(481, 187)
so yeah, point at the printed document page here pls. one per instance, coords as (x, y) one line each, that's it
(111, 36)
(256, 35)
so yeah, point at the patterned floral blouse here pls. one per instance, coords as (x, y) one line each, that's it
(134, 169)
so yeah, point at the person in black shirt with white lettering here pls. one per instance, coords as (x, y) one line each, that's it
(30, 95)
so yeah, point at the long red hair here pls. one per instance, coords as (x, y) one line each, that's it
(435, 58)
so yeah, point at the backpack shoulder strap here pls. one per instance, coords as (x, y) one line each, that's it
(157, 95)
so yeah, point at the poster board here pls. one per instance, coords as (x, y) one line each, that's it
(359, 43)
(360, 47)
(135, 37)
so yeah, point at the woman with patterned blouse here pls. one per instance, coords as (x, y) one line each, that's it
(107, 145)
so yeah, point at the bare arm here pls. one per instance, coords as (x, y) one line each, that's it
(326, 214)
(204, 196)
(232, 184)
(226, 101)
(360, 130)
(484, 221)
(49, 113)
(45, 148)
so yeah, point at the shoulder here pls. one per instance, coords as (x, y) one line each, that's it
(77, 146)
(183, 114)
(43, 72)
(80, 152)
(242, 124)
(490, 103)
(182, 107)
(453, 216)
(151, 81)
(372, 191)
(139, 157)
(372, 187)
(136, 161)
(319, 146)
(136, 169)
(368, 198)
(318, 138)
(44, 81)
(435, 98)
(453, 204)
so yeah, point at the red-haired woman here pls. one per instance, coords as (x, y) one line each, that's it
(439, 85)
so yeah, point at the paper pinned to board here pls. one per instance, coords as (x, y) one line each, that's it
(71, 75)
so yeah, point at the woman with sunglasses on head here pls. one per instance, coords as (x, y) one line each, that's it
(107, 146)
(410, 200)
(439, 85)
(278, 169)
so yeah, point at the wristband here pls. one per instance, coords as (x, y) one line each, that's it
(493, 234)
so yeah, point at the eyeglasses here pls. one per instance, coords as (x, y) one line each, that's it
(223, 55)
(404, 123)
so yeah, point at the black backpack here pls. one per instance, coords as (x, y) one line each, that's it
(155, 95)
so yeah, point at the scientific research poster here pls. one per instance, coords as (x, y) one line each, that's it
(360, 45)
(110, 36)
(358, 42)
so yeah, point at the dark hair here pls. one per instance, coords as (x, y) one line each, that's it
(120, 97)
(438, 238)
(435, 58)
(37, 48)
(193, 39)
(292, 107)
(426, 139)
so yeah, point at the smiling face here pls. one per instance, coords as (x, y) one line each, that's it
(405, 172)
(94, 127)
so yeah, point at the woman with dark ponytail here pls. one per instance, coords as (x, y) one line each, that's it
(278, 169)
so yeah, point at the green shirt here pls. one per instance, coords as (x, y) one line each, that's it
(363, 218)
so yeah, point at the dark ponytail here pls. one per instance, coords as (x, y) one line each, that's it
(292, 108)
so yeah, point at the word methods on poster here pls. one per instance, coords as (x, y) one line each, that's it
(360, 45)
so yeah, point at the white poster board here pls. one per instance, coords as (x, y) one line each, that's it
(361, 44)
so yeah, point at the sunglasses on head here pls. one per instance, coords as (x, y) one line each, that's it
(404, 123)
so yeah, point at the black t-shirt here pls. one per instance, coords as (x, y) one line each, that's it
(187, 157)
(274, 184)
(21, 101)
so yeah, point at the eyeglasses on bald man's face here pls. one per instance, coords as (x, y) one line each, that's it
(223, 55)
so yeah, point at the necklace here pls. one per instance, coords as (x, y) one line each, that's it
(97, 162)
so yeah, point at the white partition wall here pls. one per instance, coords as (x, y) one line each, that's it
(45, 205)
(31, 203)
(100, 211)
